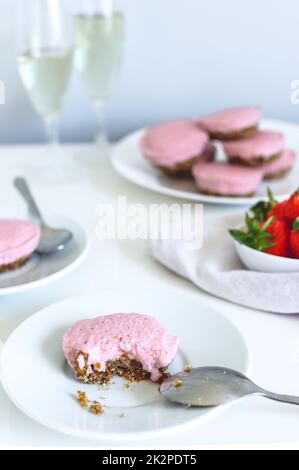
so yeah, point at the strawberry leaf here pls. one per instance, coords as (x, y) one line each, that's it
(262, 208)
(296, 224)
(267, 224)
(256, 235)
(272, 200)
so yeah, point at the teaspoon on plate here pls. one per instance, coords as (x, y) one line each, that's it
(214, 386)
(52, 239)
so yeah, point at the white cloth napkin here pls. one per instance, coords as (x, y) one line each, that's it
(216, 269)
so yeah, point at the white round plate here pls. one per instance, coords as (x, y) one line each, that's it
(129, 162)
(39, 382)
(42, 269)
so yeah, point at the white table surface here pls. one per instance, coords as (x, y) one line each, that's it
(274, 339)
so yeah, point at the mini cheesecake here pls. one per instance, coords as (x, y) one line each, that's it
(263, 147)
(223, 179)
(175, 146)
(18, 240)
(234, 123)
(130, 345)
(280, 167)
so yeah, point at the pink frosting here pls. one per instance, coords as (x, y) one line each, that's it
(231, 120)
(18, 239)
(173, 142)
(226, 179)
(263, 144)
(109, 337)
(286, 161)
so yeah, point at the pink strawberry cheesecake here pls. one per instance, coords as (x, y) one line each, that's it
(133, 346)
(263, 147)
(174, 146)
(223, 179)
(231, 123)
(18, 240)
(280, 167)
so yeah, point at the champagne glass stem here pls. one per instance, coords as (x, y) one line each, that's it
(52, 127)
(101, 136)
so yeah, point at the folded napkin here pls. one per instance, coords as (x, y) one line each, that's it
(216, 269)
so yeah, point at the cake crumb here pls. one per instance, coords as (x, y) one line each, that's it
(96, 408)
(121, 415)
(104, 386)
(126, 387)
(177, 383)
(187, 368)
(82, 399)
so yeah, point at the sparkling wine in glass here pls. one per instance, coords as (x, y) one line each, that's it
(45, 56)
(100, 35)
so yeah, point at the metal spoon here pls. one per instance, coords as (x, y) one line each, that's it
(52, 239)
(213, 386)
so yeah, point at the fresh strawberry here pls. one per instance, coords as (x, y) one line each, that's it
(292, 207)
(271, 236)
(278, 211)
(294, 239)
(279, 231)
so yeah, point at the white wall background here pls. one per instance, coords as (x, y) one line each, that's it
(182, 58)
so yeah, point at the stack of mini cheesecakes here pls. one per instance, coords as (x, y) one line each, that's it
(186, 147)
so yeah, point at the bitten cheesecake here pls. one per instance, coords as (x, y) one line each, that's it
(175, 146)
(130, 345)
(18, 240)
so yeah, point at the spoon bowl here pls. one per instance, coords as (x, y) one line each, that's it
(214, 386)
(53, 240)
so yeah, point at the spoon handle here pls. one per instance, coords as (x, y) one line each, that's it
(282, 398)
(23, 188)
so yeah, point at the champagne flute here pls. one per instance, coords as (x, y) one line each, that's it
(45, 55)
(99, 49)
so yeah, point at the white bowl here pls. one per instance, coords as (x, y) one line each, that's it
(259, 261)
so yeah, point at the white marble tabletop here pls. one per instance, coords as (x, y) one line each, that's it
(274, 339)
